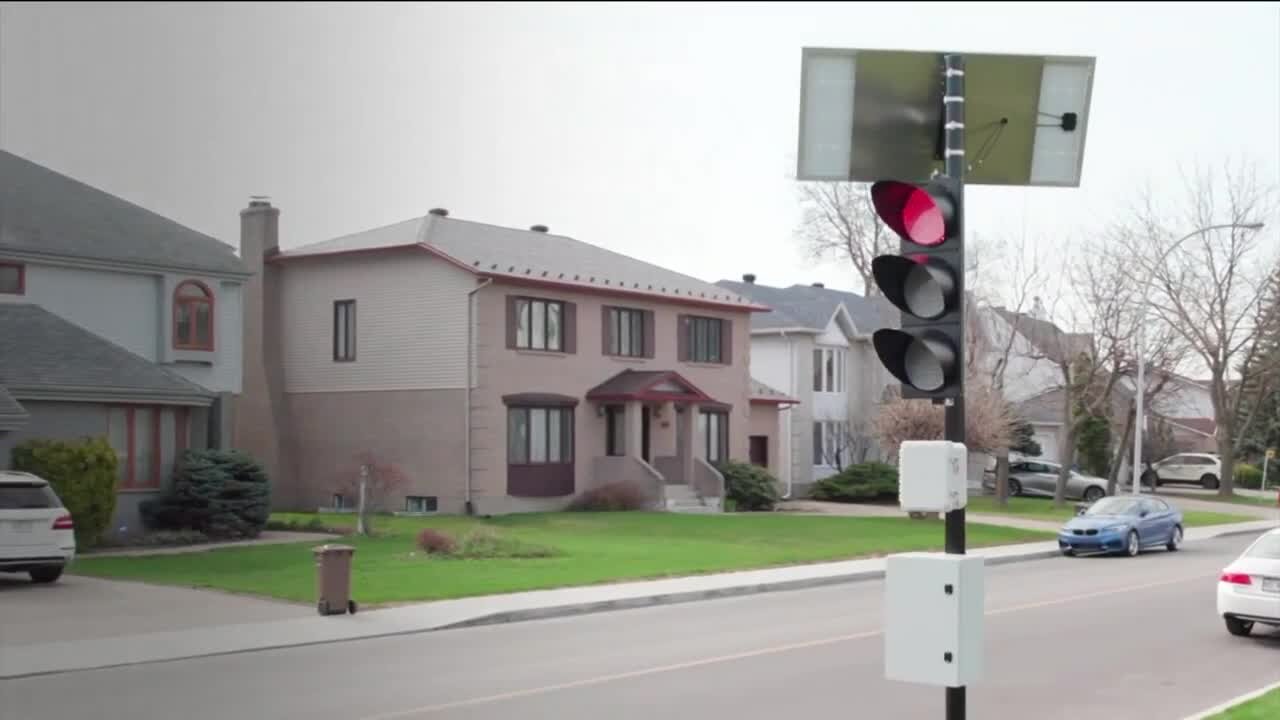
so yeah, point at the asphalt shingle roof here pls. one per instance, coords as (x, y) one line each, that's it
(43, 351)
(528, 255)
(760, 391)
(805, 306)
(11, 411)
(42, 211)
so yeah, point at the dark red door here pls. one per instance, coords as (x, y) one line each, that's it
(760, 450)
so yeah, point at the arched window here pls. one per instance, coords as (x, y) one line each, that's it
(192, 316)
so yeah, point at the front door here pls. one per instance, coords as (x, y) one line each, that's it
(644, 434)
(760, 450)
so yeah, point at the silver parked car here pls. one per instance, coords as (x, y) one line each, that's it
(1037, 478)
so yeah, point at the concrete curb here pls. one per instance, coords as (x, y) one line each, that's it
(1233, 702)
(558, 611)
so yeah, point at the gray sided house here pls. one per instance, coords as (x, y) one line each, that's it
(815, 346)
(117, 323)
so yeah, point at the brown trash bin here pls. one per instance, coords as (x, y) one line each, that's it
(333, 579)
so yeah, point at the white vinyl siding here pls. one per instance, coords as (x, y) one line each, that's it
(411, 329)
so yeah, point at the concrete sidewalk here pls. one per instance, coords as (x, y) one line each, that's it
(312, 629)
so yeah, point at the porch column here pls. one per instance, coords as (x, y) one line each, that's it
(688, 442)
(634, 429)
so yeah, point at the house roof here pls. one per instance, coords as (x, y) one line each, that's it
(648, 386)
(805, 307)
(531, 257)
(46, 213)
(12, 414)
(50, 357)
(764, 394)
(1047, 338)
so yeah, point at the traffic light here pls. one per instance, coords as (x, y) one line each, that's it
(926, 282)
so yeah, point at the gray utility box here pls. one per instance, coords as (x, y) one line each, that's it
(934, 619)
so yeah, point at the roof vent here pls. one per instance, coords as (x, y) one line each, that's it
(749, 278)
(439, 211)
(818, 285)
(539, 228)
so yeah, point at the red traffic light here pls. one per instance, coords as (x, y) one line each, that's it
(920, 215)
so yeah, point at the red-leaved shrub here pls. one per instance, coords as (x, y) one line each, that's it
(610, 497)
(434, 542)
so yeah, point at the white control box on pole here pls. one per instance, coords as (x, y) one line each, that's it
(932, 476)
(934, 618)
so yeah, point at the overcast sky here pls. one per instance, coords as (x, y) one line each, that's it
(667, 132)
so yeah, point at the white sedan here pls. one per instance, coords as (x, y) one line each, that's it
(37, 535)
(1249, 588)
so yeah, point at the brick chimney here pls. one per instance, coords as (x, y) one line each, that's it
(259, 420)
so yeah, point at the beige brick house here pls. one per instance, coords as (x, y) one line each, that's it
(502, 370)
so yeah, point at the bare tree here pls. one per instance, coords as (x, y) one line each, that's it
(839, 221)
(846, 444)
(373, 481)
(1207, 268)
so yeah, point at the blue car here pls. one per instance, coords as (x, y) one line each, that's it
(1122, 524)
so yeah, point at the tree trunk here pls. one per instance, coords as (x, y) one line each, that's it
(1067, 452)
(1226, 452)
(1002, 477)
(1126, 449)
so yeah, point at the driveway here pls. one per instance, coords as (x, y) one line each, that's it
(82, 608)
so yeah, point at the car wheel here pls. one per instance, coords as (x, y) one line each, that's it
(1131, 546)
(1151, 479)
(1175, 540)
(1238, 627)
(1093, 494)
(1015, 488)
(1068, 552)
(1209, 482)
(46, 574)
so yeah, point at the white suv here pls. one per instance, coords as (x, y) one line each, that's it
(1201, 469)
(37, 535)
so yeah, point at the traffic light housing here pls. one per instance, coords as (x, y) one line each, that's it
(926, 283)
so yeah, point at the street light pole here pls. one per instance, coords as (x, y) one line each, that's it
(1139, 417)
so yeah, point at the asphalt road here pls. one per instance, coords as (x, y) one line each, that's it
(1066, 638)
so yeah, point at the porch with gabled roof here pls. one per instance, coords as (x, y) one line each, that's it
(630, 402)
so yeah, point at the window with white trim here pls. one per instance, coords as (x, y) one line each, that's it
(829, 370)
(830, 443)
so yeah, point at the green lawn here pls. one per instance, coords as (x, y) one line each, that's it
(590, 548)
(1266, 707)
(1233, 500)
(1043, 509)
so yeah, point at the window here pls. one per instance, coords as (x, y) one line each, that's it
(340, 502)
(713, 427)
(704, 340)
(192, 316)
(420, 504)
(13, 278)
(830, 443)
(147, 442)
(616, 429)
(829, 370)
(538, 324)
(624, 332)
(539, 436)
(344, 331)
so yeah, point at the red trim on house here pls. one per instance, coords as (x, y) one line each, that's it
(22, 275)
(193, 303)
(538, 282)
(156, 454)
(774, 401)
(647, 393)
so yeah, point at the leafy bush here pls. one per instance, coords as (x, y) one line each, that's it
(750, 487)
(222, 493)
(616, 496)
(434, 542)
(1248, 476)
(866, 481)
(83, 474)
(160, 538)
